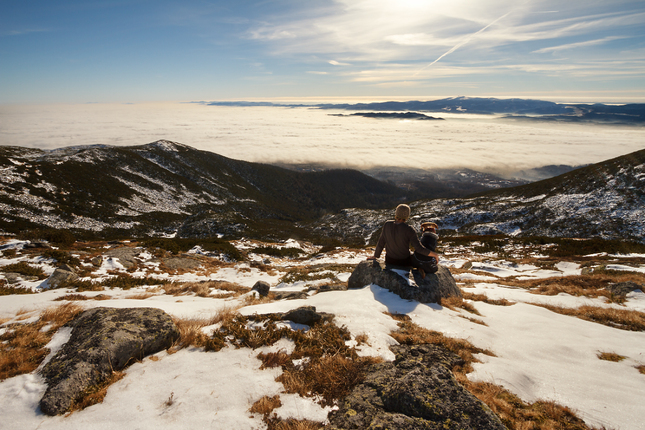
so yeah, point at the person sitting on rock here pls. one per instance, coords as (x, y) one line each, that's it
(429, 239)
(396, 238)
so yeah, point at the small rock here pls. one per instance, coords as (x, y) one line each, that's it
(12, 278)
(262, 288)
(97, 261)
(290, 295)
(306, 315)
(624, 288)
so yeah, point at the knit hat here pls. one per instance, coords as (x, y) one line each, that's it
(428, 225)
(402, 212)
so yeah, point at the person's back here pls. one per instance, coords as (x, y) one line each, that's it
(396, 239)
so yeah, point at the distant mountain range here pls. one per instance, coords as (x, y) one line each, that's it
(170, 188)
(521, 109)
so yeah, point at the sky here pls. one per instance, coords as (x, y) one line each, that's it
(82, 51)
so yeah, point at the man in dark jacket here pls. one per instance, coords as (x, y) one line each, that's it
(396, 238)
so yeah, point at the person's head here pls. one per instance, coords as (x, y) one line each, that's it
(402, 212)
(429, 226)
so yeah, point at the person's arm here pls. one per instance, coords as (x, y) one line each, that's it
(414, 239)
(379, 246)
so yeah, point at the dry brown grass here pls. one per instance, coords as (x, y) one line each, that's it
(190, 329)
(484, 298)
(22, 347)
(623, 319)
(95, 394)
(81, 297)
(293, 424)
(266, 405)
(517, 414)
(593, 285)
(641, 368)
(411, 334)
(514, 413)
(362, 339)
(274, 359)
(331, 376)
(140, 296)
(611, 356)
(203, 289)
(458, 302)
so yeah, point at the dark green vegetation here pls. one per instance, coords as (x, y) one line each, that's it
(178, 245)
(278, 252)
(555, 246)
(130, 191)
(24, 268)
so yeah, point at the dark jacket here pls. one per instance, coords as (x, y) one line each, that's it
(396, 238)
(429, 240)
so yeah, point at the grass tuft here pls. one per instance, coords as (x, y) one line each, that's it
(95, 394)
(617, 318)
(22, 346)
(611, 356)
(484, 298)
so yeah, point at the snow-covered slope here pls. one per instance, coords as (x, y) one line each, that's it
(602, 200)
(538, 354)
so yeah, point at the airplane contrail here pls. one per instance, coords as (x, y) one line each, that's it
(460, 44)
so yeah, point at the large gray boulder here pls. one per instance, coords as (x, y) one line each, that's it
(416, 391)
(61, 275)
(103, 340)
(406, 283)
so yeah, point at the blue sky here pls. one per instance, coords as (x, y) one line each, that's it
(157, 50)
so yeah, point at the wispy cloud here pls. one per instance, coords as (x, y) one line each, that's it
(578, 44)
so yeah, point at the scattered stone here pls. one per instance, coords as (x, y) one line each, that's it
(102, 340)
(61, 275)
(329, 287)
(432, 289)
(416, 391)
(262, 288)
(290, 295)
(34, 245)
(306, 315)
(97, 261)
(624, 288)
(125, 255)
(467, 265)
(12, 278)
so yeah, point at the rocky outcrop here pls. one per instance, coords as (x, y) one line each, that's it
(125, 255)
(416, 391)
(102, 340)
(406, 283)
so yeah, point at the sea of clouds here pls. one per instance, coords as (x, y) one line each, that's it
(306, 135)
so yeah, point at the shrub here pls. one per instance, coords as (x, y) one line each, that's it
(24, 269)
(278, 252)
(62, 238)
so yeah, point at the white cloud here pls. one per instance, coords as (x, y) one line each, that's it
(337, 63)
(577, 45)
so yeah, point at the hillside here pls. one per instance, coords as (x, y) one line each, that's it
(550, 339)
(165, 186)
(602, 200)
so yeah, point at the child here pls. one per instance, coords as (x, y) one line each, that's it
(429, 239)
